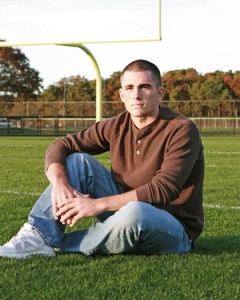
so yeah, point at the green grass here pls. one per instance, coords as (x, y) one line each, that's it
(211, 271)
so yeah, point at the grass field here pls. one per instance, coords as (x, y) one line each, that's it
(211, 271)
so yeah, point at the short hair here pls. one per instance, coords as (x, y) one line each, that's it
(143, 65)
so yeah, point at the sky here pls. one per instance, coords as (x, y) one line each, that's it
(200, 34)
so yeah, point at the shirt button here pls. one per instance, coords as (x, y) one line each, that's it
(138, 141)
(138, 152)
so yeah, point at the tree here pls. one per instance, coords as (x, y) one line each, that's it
(177, 83)
(18, 81)
(111, 94)
(68, 90)
(212, 92)
(232, 80)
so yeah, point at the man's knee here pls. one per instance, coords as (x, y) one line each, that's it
(134, 212)
(80, 161)
(78, 157)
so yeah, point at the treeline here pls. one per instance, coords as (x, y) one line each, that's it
(187, 91)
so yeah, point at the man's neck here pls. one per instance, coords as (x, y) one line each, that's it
(143, 121)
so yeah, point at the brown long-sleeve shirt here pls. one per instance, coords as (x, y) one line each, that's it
(163, 161)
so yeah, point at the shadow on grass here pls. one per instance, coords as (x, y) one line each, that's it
(218, 245)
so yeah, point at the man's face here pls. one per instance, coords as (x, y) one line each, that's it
(141, 94)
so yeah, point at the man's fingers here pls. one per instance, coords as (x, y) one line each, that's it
(62, 210)
(71, 210)
(66, 217)
(55, 210)
(75, 219)
(64, 203)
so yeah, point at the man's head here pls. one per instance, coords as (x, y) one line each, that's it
(143, 65)
(141, 91)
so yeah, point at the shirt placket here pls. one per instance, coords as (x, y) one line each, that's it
(138, 147)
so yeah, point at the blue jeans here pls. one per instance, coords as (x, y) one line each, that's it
(137, 227)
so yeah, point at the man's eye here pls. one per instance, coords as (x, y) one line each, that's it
(145, 87)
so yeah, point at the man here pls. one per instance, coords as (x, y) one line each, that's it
(151, 200)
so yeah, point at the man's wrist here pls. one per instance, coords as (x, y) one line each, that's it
(56, 173)
(101, 204)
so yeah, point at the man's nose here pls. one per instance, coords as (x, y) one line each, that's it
(137, 93)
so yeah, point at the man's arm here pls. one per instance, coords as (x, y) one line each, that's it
(115, 202)
(91, 141)
(94, 140)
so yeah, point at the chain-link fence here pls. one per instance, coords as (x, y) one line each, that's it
(211, 117)
(24, 125)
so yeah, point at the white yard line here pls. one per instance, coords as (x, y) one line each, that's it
(218, 152)
(221, 206)
(20, 193)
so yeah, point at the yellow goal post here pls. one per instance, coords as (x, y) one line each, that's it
(80, 44)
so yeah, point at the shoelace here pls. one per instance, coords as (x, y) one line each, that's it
(22, 233)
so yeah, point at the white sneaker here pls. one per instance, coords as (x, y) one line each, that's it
(26, 243)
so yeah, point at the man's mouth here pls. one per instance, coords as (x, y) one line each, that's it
(137, 105)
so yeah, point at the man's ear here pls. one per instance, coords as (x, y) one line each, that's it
(121, 95)
(161, 93)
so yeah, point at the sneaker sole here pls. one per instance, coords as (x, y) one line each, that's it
(28, 255)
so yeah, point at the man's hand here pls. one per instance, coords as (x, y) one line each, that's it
(60, 192)
(78, 207)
